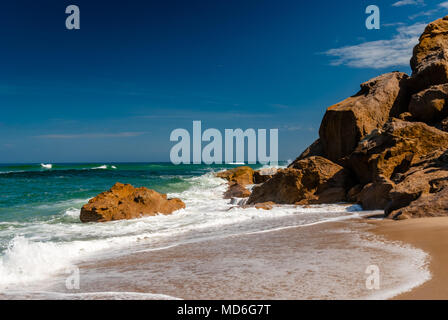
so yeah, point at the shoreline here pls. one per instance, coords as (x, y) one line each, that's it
(280, 263)
(430, 235)
(320, 261)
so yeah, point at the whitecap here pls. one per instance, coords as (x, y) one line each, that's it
(103, 167)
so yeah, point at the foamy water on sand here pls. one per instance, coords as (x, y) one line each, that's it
(213, 249)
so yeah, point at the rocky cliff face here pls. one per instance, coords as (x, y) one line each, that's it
(349, 121)
(386, 147)
(429, 62)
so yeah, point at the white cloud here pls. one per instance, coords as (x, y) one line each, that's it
(408, 2)
(444, 5)
(427, 13)
(91, 135)
(424, 14)
(381, 53)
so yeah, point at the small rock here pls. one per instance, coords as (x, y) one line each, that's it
(236, 190)
(241, 175)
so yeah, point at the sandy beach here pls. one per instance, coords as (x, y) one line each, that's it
(322, 261)
(430, 235)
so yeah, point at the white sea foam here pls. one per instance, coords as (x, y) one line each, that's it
(108, 295)
(63, 204)
(46, 166)
(6, 172)
(72, 212)
(103, 167)
(410, 272)
(44, 248)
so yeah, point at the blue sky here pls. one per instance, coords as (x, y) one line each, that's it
(136, 70)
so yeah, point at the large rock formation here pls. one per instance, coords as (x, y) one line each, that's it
(392, 135)
(430, 105)
(385, 147)
(429, 62)
(123, 201)
(427, 177)
(394, 148)
(347, 122)
(312, 180)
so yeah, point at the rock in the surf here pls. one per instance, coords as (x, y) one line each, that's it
(263, 175)
(241, 175)
(123, 201)
(236, 190)
(265, 205)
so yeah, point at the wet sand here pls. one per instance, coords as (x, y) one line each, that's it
(431, 235)
(322, 261)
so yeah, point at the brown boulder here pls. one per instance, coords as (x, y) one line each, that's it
(241, 175)
(236, 190)
(375, 195)
(429, 62)
(430, 105)
(123, 201)
(265, 205)
(426, 177)
(310, 181)
(393, 149)
(260, 206)
(347, 122)
(428, 205)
